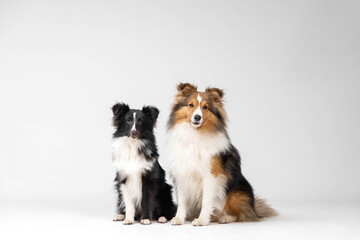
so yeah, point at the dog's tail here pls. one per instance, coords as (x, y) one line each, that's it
(263, 209)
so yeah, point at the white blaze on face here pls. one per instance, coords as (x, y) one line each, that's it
(197, 112)
(133, 127)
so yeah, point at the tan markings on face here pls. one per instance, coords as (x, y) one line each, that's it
(238, 204)
(185, 113)
(209, 119)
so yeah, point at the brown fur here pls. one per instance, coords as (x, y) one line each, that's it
(238, 204)
(186, 89)
(217, 167)
(263, 209)
(212, 98)
(182, 115)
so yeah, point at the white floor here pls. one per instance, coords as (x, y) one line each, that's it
(90, 219)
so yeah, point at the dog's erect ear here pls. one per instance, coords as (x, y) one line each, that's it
(119, 109)
(186, 89)
(151, 112)
(215, 92)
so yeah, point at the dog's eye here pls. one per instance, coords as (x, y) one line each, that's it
(139, 121)
(204, 107)
(191, 105)
(129, 120)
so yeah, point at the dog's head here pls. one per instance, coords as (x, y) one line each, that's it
(202, 110)
(134, 123)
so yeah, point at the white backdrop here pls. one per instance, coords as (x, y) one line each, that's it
(290, 70)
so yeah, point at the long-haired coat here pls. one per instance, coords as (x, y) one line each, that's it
(205, 166)
(143, 193)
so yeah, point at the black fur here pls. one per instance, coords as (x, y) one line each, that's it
(221, 126)
(231, 161)
(174, 109)
(156, 198)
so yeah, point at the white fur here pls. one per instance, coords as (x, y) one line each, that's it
(130, 164)
(134, 124)
(145, 221)
(162, 219)
(197, 112)
(118, 217)
(197, 189)
(227, 219)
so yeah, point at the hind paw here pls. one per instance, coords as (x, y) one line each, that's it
(227, 219)
(119, 217)
(145, 221)
(162, 219)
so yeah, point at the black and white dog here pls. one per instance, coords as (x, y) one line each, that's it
(143, 193)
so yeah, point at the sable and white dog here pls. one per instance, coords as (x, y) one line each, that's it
(205, 166)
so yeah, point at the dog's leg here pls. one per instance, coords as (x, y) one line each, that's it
(167, 208)
(129, 206)
(120, 216)
(181, 210)
(207, 206)
(146, 202)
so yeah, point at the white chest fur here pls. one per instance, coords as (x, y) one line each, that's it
(130, 164)
(190, 154)
(127, 159)
(191, 150)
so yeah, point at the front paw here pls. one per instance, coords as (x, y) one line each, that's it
(145, 221)
(200, 222)
(128, 221)
(177, 221)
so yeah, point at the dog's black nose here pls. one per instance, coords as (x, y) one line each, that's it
(133, 133)
(197, 117)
